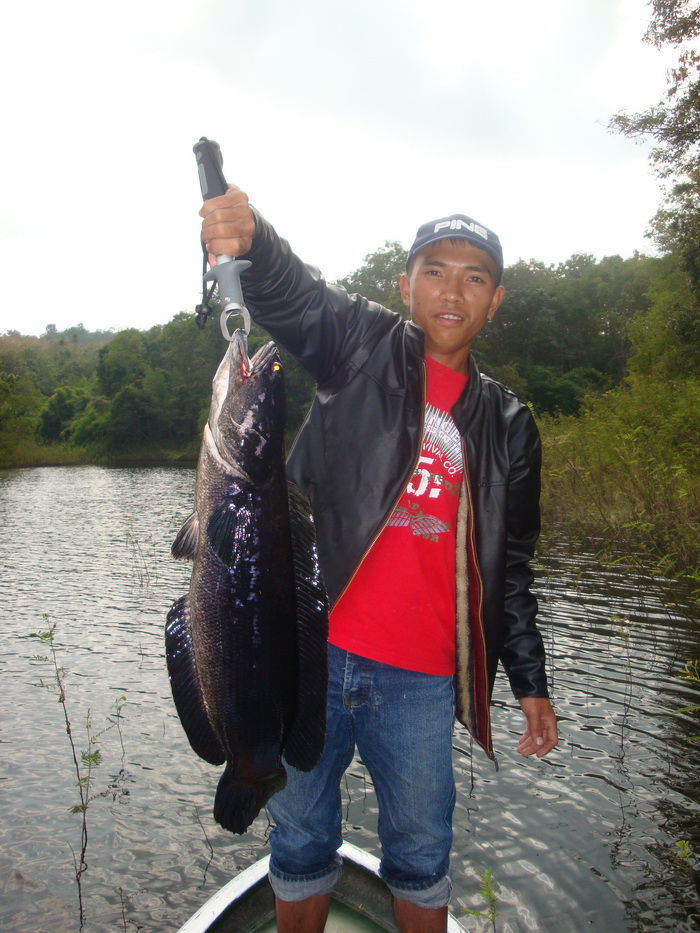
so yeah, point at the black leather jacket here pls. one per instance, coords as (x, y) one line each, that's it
(359, 446)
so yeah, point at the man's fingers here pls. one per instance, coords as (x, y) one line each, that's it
(540, 736)
(228, 224)
(226, 246)
(234, 197)
(536, 744)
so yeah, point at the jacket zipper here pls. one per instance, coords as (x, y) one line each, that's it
(401, 491)
(471, 556)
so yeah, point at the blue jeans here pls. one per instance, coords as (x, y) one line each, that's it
(402, 723)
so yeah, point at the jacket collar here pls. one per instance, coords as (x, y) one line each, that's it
(468, 408)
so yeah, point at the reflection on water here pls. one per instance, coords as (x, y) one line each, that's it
(583, 840)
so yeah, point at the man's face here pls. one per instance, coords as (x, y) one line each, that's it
(451, 292)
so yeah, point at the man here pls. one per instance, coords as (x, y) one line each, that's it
(424, 480)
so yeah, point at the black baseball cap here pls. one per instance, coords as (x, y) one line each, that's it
(458, 227)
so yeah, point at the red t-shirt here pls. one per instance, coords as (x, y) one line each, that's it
(400, 606)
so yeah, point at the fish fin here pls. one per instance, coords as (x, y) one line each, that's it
(238, 800)
(185, 543)
(228, 526)
(304, 744)
(185, 684)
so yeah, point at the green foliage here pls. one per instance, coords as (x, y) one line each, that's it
(122, 362)
(627, 469)
(60, 410)
(562, 332)
(20, 402)
(685, 852)
(673, 123)
(487, 890)
(378, 277)
(690, 672)
(137, 394)
(552, 391)
(674, 126)
(91, 426)
(666, 338)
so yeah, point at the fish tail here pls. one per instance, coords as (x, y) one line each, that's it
(239, 800)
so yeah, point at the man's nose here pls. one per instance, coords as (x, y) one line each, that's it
(452, 289)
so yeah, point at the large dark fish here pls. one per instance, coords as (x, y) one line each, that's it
(246, 648)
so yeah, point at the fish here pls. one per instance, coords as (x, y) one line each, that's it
(246, 647)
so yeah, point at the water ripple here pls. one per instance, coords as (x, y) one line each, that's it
(585, 839)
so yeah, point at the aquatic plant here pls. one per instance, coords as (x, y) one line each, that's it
(691, 672)
(488, 893)
(85, 761)
(685, 852)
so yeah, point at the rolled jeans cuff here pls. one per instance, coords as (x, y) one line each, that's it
(299, 887)
(432, 898)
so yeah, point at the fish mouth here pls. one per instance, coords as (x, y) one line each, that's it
(253, 365)
(266, 356)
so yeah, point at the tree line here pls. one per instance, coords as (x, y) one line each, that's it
(562, 333)
(142, 394)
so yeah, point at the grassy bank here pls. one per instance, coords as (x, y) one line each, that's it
(625, 472)
(34, 454)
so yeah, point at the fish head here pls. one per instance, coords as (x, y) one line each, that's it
(249, 407)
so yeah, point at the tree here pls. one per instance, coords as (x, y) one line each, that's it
(378, 276)
(19, 404)
(665, 339)
(122, 362)
(61, 408)
(673, 123)
(674, 126)
(131, 419)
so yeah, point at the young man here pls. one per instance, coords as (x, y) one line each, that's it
(424, 480)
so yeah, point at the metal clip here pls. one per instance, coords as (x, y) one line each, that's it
(225, 315)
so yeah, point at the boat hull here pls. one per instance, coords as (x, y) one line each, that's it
(360, 903)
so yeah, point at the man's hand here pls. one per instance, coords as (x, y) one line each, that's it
(540, 736)
(228, 225)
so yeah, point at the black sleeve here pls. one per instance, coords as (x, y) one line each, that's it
(522, 652)
(319, 324)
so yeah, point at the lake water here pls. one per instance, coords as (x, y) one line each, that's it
(586, 839)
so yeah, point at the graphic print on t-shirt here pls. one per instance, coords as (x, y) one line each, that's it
(399, 607)
(437, 475)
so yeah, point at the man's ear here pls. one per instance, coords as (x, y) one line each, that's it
(405, 290)
(498, 297)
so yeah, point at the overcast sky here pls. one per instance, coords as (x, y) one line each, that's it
(348, 123)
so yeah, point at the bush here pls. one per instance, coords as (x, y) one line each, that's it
(627, 468)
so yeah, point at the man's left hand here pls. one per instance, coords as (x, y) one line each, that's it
(540, 736)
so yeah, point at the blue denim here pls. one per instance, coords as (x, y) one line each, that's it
(402, 724)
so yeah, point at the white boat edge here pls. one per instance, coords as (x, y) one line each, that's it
(212, 909)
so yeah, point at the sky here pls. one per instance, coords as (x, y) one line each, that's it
(347, 123)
